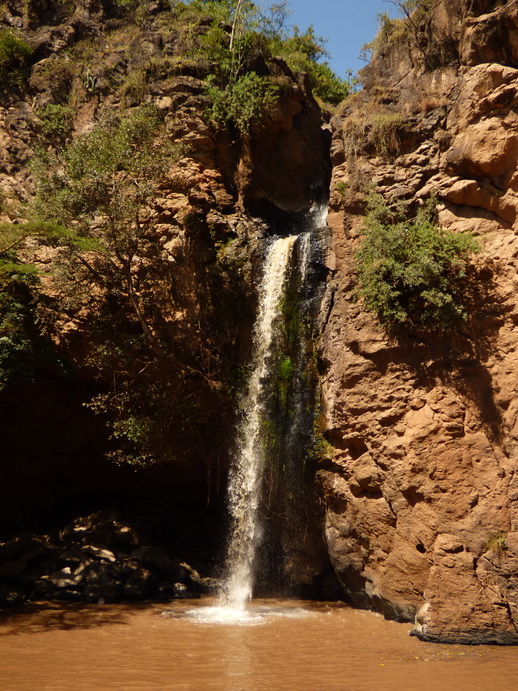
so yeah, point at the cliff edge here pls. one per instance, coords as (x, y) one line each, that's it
(419, 479)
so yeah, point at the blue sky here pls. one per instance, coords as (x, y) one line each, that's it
(348, 24)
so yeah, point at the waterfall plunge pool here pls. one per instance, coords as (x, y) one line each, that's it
(255, 613)
(294, 646)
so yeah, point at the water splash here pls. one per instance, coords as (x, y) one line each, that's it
(256, 614)
(246, 477)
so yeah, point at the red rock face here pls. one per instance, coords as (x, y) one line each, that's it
(199, 263)
(420, 482)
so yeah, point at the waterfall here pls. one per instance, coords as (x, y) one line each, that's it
(245, 486)
(267, 499)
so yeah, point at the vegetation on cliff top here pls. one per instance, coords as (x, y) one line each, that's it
(239, 43)
(94, 204)
(412, 271)
(413, 30)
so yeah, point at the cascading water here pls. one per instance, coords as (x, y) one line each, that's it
(275, 432)
(246, 478)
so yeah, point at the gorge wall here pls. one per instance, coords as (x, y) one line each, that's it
(420, 485)
(162, 353)
(417, 469)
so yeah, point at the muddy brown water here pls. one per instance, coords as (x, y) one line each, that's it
(286, 646)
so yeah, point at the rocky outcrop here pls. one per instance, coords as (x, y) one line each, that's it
(420, 480)
(196, 270)
(96, 558)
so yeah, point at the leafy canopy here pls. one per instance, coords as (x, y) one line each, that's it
(412, 271)
(94, 200)
(106, 176)
(239, 42)
(14, 57)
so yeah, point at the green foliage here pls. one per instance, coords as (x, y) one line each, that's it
(136, 417)
(16, 319)
(304, 52)
(496, 542)
(412, 271)
(14, 57)
(239, 48)
(327, 85)
(286, 368)
(56, 122)
(292, 324)
(20, 330)
(14, 234)
(244, 102)
(108, 174)
(94, 200)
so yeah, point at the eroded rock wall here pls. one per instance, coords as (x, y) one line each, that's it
(420, 483)
(197, 270)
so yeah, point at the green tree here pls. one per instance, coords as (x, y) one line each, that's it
(412, 271)
(240, 58)
(99, 188)
(22, 340)
(15, 54)
(94, 201)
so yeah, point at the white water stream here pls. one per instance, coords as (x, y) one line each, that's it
(250, 449)
(245, 481)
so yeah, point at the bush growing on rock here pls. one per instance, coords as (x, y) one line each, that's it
(412, 271)
(239, 42)
(16, 319)
(14, 56)
(22, 340)
(56, 122)
(243, 102)
(304, 52)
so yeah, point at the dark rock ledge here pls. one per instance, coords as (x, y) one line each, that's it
(99, 558)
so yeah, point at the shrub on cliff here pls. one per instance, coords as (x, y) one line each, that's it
(239, 42)
(14, 57)
(17, 317)
(304, 52)
(55, 122)
(22, 334)
(244, 102)
(22, 341)
(412, 271)
(100, 189)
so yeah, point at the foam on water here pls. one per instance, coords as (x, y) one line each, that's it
(231, 616)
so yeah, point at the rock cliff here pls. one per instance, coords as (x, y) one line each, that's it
(420, 479)
(147, 348)
(417, 465)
